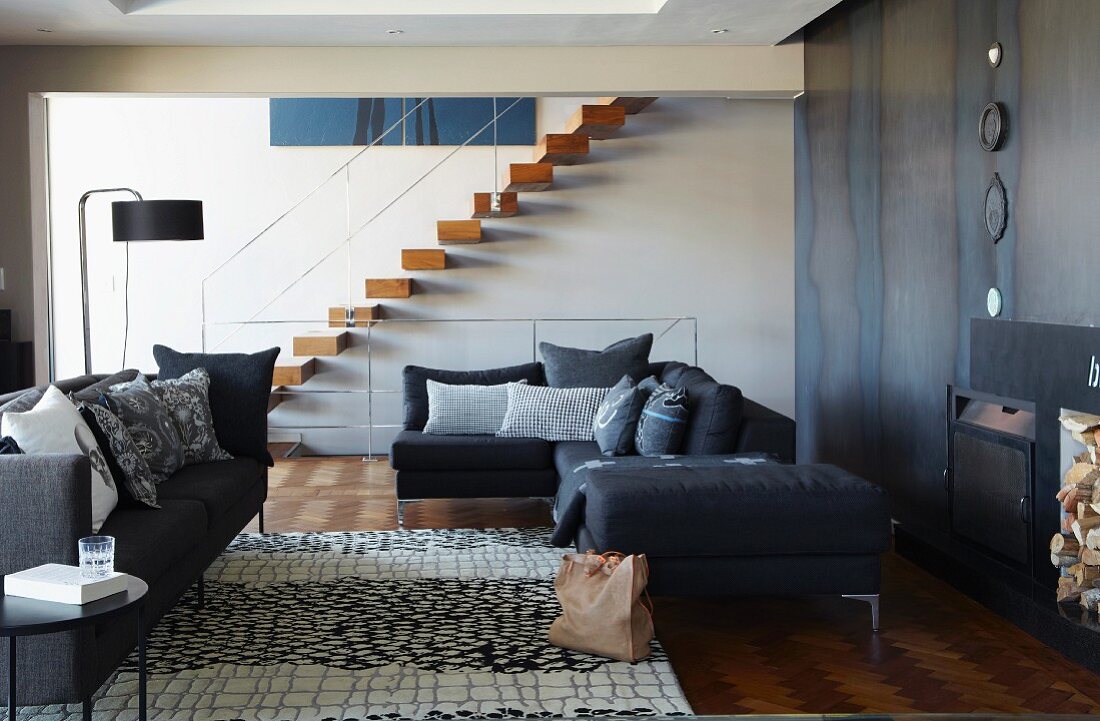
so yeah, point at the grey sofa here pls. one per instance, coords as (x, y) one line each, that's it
(47, 505)
(731, 515)
(431, 466)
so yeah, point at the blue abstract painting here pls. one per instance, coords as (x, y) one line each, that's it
(401, 121)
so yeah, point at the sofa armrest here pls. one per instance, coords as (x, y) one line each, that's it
(765, 431)
(47, 502)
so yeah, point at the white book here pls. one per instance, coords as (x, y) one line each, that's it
(62, 584)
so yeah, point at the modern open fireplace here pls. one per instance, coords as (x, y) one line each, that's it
(1004, 514)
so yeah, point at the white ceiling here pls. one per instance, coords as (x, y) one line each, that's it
(423, 22)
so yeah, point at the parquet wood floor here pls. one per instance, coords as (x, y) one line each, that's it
(938, 651)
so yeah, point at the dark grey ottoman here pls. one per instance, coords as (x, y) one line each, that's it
(742, 529)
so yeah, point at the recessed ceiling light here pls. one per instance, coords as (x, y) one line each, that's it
(45, 30)
(720, 31)
(395, 32)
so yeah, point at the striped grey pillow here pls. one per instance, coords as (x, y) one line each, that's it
(465, 410)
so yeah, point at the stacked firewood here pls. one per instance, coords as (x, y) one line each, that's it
(1076, 549)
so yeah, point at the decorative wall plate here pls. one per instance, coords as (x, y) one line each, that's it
(992, 127)
(993, 302)
(994, 54)
(996, 208)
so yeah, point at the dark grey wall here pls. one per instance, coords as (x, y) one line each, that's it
(892, 256)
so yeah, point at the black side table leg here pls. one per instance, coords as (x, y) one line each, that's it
(87, 711)
(11, 678)
(143, 702)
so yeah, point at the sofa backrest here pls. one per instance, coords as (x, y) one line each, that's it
(714, 409)
(75, 385)
(416, 385)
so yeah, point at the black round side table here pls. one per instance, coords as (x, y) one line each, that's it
(29, 617)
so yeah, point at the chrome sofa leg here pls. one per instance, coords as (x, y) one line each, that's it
(871, 599)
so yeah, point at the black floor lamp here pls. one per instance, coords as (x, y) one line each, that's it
(136, 220)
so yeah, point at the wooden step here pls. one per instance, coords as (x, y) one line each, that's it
(483, 205)
(528, 177)
(423, 259)
(598, 122)
(274, 399)
(451, 232)
(326, 344)
(561, 148)
(293, 371)
(632, 106)
(389, 287)
(361, 316)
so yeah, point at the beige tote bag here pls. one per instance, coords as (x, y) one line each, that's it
(602, 609)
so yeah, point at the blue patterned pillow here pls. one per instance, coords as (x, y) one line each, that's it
(617, 419)
(663, 422)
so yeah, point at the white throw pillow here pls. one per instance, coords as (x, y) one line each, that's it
(55, 426)
(465, 410)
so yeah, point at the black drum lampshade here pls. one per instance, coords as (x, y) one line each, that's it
(136, 220)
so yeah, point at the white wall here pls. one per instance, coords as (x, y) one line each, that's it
(689, 212)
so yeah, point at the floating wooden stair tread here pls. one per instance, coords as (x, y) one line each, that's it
(561, 148)
(529, 177)
(632, 106)
(483, 205)
(293, 371)
(360, 317)
(389, 287)
(320, 344)
(274, 399)
(450, 232)
(423, 259)
(598, 122)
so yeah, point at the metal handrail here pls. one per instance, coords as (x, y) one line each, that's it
(351, 234)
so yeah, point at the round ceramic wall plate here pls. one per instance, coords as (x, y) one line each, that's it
(996, 209)
(995, 53)
(991, 127)
(993, 302)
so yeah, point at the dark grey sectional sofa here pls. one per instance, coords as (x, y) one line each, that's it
(730, 515)
(47, 505)
(489, 467)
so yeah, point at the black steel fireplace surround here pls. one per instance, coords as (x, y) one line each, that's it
(990, 475)
(1048, 368)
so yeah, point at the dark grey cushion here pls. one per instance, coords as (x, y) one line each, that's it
(240, 386)
(90, 393)
(617, 418)
(731, 511)
(8, 446)
(216, 485)
(134, 479)
(149, 542)
(572, 460)
(187, 400)
(416, 385)
(663, 422)
(149, 424)
(580, 368)
(416, 451)
(715, 409)
(23, 402)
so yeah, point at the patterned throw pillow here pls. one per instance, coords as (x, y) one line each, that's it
(663, 423)
(552, 414)
(465, 410)
(617, 418)
(123, 457)
(187, 399)
(150, 425)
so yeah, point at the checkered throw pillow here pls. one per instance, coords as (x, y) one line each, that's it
(552, 414)
(465, 410)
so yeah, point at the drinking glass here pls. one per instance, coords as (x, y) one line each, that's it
(97, 557)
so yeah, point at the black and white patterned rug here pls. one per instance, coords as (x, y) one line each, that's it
(447, 624)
